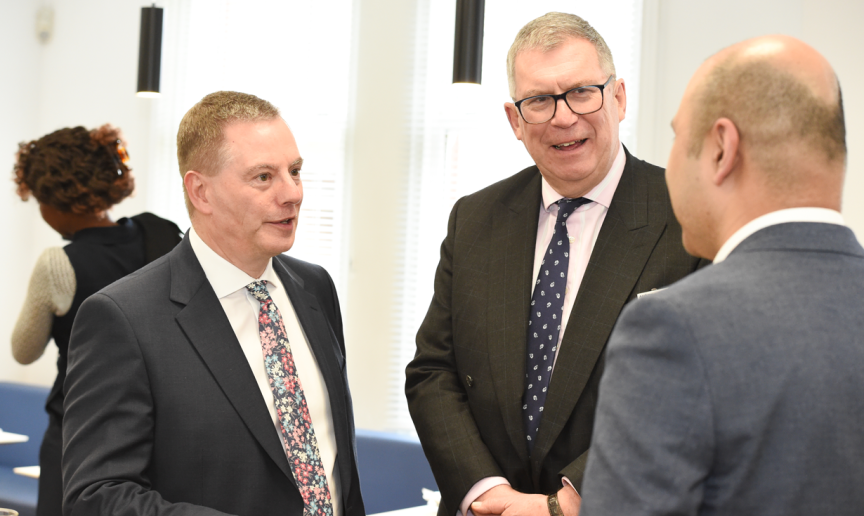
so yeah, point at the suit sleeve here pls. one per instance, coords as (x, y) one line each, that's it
(653, 435)
(108, 423)
(437, 400)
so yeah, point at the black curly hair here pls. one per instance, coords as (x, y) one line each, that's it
(74, 170)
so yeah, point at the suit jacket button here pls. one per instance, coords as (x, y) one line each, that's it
(469, 380)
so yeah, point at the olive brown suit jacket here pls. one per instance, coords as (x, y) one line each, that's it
(465, 384)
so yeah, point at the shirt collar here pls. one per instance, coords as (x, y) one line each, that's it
(224, 276)
(822, 215)
(600, 194)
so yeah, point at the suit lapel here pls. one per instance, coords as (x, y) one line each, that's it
(514, 217)
(623, 246)
(323, 344)
(204, 322)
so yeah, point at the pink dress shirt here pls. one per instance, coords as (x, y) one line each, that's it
(583, 226)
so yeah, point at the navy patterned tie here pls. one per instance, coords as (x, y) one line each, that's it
(544, 321)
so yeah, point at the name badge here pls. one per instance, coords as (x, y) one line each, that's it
(652, 291)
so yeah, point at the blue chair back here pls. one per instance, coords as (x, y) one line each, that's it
(393, 470)
(22, 411)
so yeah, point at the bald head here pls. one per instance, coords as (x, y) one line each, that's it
(760, 129)
(782, 96)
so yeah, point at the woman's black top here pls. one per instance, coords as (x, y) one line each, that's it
(100, 256)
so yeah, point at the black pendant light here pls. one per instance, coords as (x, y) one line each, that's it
(150, 52)
(468, 46)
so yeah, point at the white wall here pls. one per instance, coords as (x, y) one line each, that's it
(678, 35)
(20, 54)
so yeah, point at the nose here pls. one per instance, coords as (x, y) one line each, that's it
(290, 189)
(564, 116)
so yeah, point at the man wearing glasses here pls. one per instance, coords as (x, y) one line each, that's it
(533, 274)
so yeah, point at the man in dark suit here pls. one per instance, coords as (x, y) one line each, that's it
(213, 381)
(738, 391)
(541, 261)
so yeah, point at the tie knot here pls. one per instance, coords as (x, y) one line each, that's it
(258, 289)
(566, 206)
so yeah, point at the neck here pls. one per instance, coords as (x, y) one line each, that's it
(220, 245)
(75, 222)
(751, 207)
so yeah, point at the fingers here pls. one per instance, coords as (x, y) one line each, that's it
(489, 507)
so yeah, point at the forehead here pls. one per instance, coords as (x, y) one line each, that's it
(261, 140)
(573, 62)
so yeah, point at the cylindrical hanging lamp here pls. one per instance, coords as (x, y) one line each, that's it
(468, 45)
(150, 52)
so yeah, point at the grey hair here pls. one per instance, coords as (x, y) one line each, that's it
(549, 31)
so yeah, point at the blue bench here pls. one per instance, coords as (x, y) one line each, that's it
(393, 470)
(22, 411)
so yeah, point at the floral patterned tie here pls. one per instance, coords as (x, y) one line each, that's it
(301, 445)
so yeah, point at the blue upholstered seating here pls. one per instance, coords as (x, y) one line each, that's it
(393, 470)
(22, 411)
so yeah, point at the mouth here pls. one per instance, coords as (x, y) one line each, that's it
(571, 144)
(285, 222)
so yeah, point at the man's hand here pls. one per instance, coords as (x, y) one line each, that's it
(503, 500)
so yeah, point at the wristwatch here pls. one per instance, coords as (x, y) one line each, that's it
(554, 506)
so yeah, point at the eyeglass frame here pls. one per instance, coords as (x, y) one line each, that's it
(563, 96)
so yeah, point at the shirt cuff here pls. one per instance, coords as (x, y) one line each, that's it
(566, 482)
(478, 489)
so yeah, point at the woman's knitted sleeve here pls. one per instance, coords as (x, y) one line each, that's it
(50, 292)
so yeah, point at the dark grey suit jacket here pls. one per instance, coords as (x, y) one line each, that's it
(163, 414)
(739, 390)
(465, 384)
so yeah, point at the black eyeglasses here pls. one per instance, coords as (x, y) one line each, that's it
(583, 100)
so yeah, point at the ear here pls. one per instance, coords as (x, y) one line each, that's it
(621, 97)
(724, 140)
(514, 118)
(196, 185)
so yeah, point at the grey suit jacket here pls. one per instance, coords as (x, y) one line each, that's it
(739, 390)
(465, 384)
(163, 414)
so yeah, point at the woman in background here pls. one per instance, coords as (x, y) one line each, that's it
(76, 175)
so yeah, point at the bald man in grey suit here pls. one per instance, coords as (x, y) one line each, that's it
(738, 390)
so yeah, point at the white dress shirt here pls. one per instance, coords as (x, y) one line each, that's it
(822, 215)
(242, 309)
(583, 226)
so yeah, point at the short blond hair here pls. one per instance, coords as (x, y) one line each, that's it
(549, 31)
(200, 135)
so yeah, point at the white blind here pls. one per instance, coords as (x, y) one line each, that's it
(293, 53)
(461, 140)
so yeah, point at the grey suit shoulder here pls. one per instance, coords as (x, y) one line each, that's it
(737, 391)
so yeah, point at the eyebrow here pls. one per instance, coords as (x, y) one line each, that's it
(254, 169)
(573, 86)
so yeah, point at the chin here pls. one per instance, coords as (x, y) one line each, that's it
(694, 248)
(283, 246)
